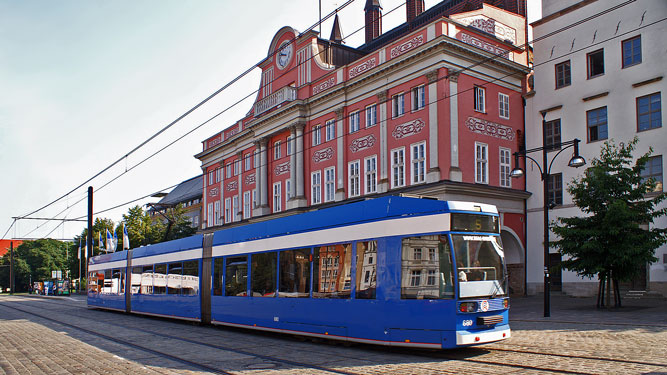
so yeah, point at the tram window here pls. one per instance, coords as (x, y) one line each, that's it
(332, 267)
(217, 276)
(366, 269)
(117, 281)
(236, 276)
(160, 279)
(426, 278)
(263, 276)
(174, 278)
(95, 282)
(135, 280)
(190, 283)
(146, 280)
(295, 273)
(106, 283)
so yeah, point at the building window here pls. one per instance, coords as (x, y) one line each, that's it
(595, 63)
(353, 179)
(371, 115)
(330, 130)
(354, 122)
(289, 145)
(563, 74)
(228, 210)
(555, 186)
(415, 279)
(370, 171)
(316, 187)
(418, 97)
(235, 207)
(398, 167)
(210, 214)
(237, 167)
(398, 102)
(317, 136)
(217, 219)
(228, 170)
(649, 113)
(288, 189)
(417, 253)
(653, 169)
(596, 120)
(276, 151)
(431, 277)
(418, 162)
(218, 175)
(552, 128)
(329, 184)
(503, 106)
(277, 197)
(505, 167)
(632, 51)
(255, 159)
(247, 159)
(481, 163)
(480, 99)
(211, 175)
(247, 209)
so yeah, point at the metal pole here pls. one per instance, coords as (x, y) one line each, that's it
(545, 181)
(11, 268)
(89, 239)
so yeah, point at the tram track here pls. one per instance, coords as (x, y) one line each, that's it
(461, 355)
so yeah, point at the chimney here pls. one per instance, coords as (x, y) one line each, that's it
(373, 11)
(413, 8)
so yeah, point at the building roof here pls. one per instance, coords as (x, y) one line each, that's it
(185, 191)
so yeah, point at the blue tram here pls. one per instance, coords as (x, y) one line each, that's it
(393, 271)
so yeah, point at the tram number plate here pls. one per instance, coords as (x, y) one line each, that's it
(467, 322)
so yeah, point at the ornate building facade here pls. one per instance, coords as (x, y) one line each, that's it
(433, 107)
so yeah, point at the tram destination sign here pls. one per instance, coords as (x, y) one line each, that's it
(475, 223)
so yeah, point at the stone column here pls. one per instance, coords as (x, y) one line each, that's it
(262, 179)
(296, 167)
(238, 215)
(383, 104)
(341, 136)
(454, 170)
(433, 174)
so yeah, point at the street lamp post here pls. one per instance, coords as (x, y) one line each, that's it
(575, 162)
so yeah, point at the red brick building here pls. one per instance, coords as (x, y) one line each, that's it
(432, 107)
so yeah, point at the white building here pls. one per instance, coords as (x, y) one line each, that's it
(599, 74)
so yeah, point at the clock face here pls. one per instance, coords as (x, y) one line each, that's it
(284, 54)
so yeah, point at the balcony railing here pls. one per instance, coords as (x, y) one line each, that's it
(285, 94)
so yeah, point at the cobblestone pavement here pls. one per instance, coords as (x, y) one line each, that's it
(577, 338)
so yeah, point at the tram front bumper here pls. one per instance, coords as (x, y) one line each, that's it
(482, 337)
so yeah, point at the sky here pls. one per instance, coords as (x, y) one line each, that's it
(82, 83)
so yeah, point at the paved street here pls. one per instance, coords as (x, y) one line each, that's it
(60, 336)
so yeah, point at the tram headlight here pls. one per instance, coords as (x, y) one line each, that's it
(468, 307)
(506, 303)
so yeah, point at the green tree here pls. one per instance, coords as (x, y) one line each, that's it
(178, 225)
(613, 239)
(141, 229)
(35, 260)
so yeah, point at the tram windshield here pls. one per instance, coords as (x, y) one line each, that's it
(480, 265)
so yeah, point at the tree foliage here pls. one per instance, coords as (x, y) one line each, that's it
(614, 237)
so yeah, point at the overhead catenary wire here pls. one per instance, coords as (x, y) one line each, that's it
(388, 83)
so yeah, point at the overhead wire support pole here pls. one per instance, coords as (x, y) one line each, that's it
(89, 238)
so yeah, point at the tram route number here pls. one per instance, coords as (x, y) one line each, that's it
(467, 323)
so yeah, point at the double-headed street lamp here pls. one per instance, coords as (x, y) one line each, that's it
(576, 161)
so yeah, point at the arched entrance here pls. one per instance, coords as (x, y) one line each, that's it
(514, 257)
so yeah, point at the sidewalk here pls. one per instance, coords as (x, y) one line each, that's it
(644, 311)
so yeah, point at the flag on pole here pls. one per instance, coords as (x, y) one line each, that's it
(109, 244)
(126, 238)
(115, 241)
(99, 237)
(85, 250)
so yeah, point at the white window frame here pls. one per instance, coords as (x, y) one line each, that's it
(503, 106)
(247, 205)
(317, 135)
(237, 167)
(354, 122)
(353, 178)
(398, 105)
(228, 212)
(235, 208)
(480, 99)
(316, 187)
(330, 130)
(276, 150)
(228, 170)
(211, 176)
(330, 184)
(418, 162)
(210, 215)
(247, 162)
(277, 196)
(418, 97)
(398, 167)
(216, 213)
(254, 198)
(288, 189)
(371, 115)
(504, 156)
(289, 146)
(370, 173)
(481, 163)
(218, 175)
